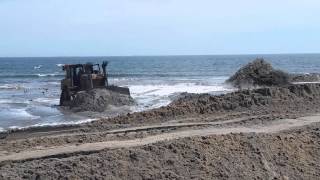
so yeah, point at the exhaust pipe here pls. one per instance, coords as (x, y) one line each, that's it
(104, 68)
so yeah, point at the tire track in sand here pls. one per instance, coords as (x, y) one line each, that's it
(275, 126)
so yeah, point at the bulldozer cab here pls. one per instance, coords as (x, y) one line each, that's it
(84, 76)
(73, 72)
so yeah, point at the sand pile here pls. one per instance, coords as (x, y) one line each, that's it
(258, 73)
(98, 100)
(247, 99)
(261, 73)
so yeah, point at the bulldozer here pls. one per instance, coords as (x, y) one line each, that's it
(83, 77)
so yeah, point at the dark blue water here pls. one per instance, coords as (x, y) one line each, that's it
(30, 87)
(163, 66)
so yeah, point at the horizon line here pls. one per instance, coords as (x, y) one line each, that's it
(77, 56)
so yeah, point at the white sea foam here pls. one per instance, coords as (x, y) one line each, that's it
(15, 127)
(60, 65)
(37, 67)
(16, 114)
(6, 101)
(13, 101)
(154, 96)
(50, 101)
(46, 75)
(65, 123)
(10, 87)
(54, 83)
(50, 124)
(166, 90)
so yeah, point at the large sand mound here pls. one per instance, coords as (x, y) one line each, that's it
(259, 73)
(284, 97)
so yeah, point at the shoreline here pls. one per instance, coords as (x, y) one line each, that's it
(172, 105)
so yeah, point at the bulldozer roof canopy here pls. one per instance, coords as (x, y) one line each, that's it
(77, 65)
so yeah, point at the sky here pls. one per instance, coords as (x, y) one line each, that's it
(158, 27)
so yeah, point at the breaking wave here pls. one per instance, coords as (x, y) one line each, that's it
(37, 67)
(154, 96)
(112, 75)
(48, 124)
(30, 75)
(17, 114)
(139, 75)
(10, 87)
(166, 90)
(48, 75)
(60, 65)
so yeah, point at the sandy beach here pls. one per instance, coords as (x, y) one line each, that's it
(264, 133)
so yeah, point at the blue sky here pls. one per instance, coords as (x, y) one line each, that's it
(158, 27)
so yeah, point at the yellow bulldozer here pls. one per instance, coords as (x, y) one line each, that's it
(83, 77)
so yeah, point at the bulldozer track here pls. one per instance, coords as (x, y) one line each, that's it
(168, 125)
(63, 151)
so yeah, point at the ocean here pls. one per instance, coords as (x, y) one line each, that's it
(30, 87)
